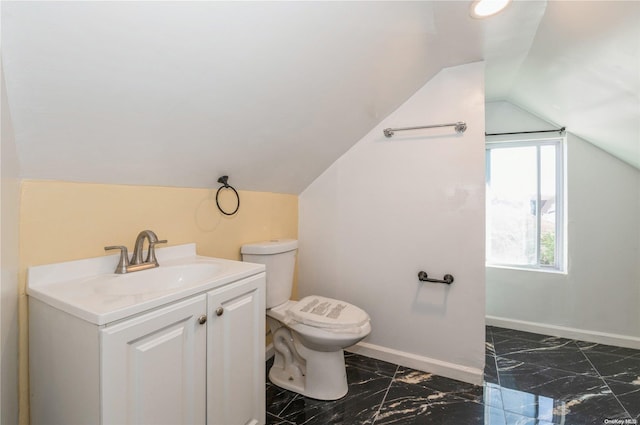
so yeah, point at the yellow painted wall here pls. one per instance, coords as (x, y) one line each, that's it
(62, 221)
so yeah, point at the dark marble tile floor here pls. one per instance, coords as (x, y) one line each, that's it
(530, 379)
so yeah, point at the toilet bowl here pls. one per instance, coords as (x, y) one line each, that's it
(309, 358)
(308, 335)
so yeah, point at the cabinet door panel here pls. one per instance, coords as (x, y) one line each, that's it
(235, 353)
(154, 367)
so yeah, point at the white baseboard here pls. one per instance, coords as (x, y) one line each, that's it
(565, 332)
(425, 364)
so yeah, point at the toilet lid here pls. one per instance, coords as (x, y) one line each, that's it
(324, 312)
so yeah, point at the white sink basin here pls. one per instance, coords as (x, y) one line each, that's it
(90, 289)
(164, 278)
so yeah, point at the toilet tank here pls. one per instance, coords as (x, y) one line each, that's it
(279, 258)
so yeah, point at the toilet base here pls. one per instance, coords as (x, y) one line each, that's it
(325, 379)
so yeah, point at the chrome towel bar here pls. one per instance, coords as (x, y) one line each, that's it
(460, 128)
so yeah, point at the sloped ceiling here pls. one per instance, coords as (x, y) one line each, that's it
(583, 72)
(271, 93)
(179, 93)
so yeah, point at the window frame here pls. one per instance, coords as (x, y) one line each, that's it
(560, 251)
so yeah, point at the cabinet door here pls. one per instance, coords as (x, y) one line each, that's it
(153, 367)
(235, 352)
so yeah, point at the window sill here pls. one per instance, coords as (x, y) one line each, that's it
(527, 269)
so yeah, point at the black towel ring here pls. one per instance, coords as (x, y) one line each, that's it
(226, 185)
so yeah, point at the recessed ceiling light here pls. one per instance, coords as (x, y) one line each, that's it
(485, 8)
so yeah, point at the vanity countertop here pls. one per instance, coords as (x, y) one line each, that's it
(89, 288)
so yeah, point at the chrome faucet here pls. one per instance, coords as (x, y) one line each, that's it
(136, 264)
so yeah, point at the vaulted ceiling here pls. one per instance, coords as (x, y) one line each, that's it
(271, 93)
(583, 72)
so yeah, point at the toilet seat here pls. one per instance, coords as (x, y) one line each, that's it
(351, 320)
(327, 313)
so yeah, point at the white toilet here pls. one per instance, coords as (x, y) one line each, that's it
(308, 335)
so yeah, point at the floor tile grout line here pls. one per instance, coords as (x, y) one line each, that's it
(375, 416)
(495, 361)
(589, 360)
(542, 348)
(637, 355)
(573, 372)
(287, 405)
(607, 385)
(599, 376)
(621, 356)
(281, 419)
(536, 365)
(377, 372)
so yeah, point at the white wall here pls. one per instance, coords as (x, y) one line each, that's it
(599, 297)
(9, 200)
(389, 208)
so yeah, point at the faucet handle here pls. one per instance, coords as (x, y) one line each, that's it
(151, 254)
(124, 258)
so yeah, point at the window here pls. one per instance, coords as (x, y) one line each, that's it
(525, 226)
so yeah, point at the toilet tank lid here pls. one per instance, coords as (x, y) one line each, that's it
(274, 246)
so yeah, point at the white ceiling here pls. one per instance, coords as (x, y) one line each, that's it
(271, 93)
(583, 72)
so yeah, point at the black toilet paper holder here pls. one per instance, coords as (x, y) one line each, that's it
(423, 277)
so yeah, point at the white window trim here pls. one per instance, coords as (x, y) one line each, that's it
(560, 142)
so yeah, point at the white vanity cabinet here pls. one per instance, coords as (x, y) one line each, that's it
(158, 368)
(154, 367)
(198, 359)
(236, 354)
